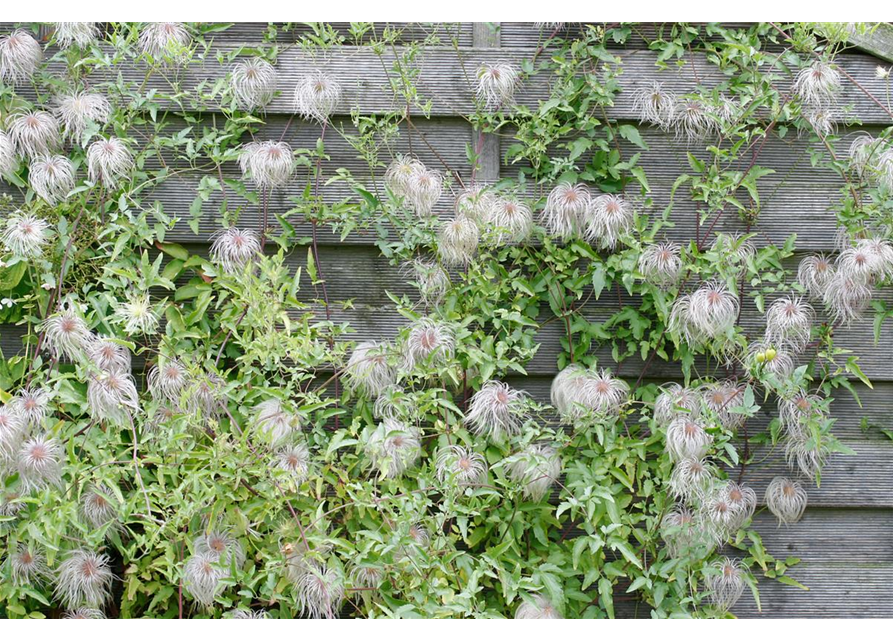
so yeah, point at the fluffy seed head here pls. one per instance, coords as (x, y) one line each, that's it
(220, 544)
(789, 322)
(234, 248)
(31, 404)
(431, 279)
(566, 209)
(864, 148)
(20, 56)
(475, 203)
(9, 159)
(770, 357)
(66, 334)
(496, 85)
(578, 393)
(511, 220)
(107, 355)
(687, 438)
(497, 411)
(423, 190)
(786, 500)
(79, 110)
(709, 313)
(723, 396)
(846, 297)
(167, 380)
(806, 452)
(25, 235)
(84, 613)
(83, 579)
(460, 466)
(818, 85)
(368, 371)
(691, 479)
(294, 461)
(393, 447)
(743, 501)
(609, 217)
(815, 273)
(34, 132)
(275, 421)
(317, 96)
(81, 34)
(98, 506)
(661, 264)
(676, 401)
(12, 430)
(248, 614)
(693, 120)
(537, 607)
(267, 164)
(202, 577)
(802, 412)
(164, 39)
(725, 583)
(457, 241)
(108, 162)
(400, 172)
(681, 532)
(395, 403)
(27, 567)
(320, 592)
(366, 576)
(654, 105)
(536, 469)
(137, 316)
(429, 341)
(112, 397)
(51, 177)
(254, 83)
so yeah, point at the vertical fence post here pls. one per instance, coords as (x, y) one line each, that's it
(485, 35)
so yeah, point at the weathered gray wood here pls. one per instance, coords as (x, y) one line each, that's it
(878, 41)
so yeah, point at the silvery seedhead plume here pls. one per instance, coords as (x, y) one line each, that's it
(510, 219)
(578, 393)
(566, 210)
(399, 173)
(725, 584)
(51, 177)
(661, 264)
(537, 607)
(460, 466)
(234, 248)
(108, 162)
(815, 273)
(536, 469)
(268, 164)
(317, 96)
(818, 85)
(84, 579)
(676, 401)
(78, 110)
(497, 411)
(254, 83)
(25, 235)
(34, 132)
(368, 371)
(496, 85)
(789, 322)
(654, 105)
(65, 333)
(457, 241)
(9, 159)
(112, 397)
(393, 447)
(167, 380)
(786, 500)
(609, 218)
(136, 315)
(429, 341)
(20, 57)
(275, 421)
(81, 34)
(26, 566)
(164, 39)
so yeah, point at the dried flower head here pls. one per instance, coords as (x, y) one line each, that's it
(317, 96)
(84, 613)
(423, 190)
(789, 322)
(107, 355)
(497, 411)
(368, 371)
(395, 403)
(66, 334)
(164, 39)
(275, 421)
(578, 392)
(457, 241)
(882, 250)
(847, 297)
(108, 161)
(743, 501)
(510, 219)
(723, 396)
(475, 202)
(815, 273)
(25, 235)
(320, 592)
(709, 313)
(254, 83)
(676, 401)
(294, 461)
(460, 466)
(725, 583)
(661, 264)
(98, 506)
(431, 279)
(770, 357)
(428, 342)
(400, 172)
(609, 217)
(268, 164)
(818, 85)
(807, 452)
(81, 34)
(234, 248)
(687, 438)
(26, 566)
(31, 405)
(536, 469)
(222, 545)
(20, 56)
(34, 132)
(537, 619)
(566, 210)
(204, 394)
(863, 149)
(691, 478)
(112, 397)
(393, 447)
(202, 577)
(12, 430)
(248, 614)
(693, 120)
(683, 533)
(137, 316)
(167, 380)
(496, 85)
(802, 412)
(366, 576)
(822, 120)
(83, 579)
(79, 110)
(51, 177)
(786, 500)
(654, 105)
(9, 159)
